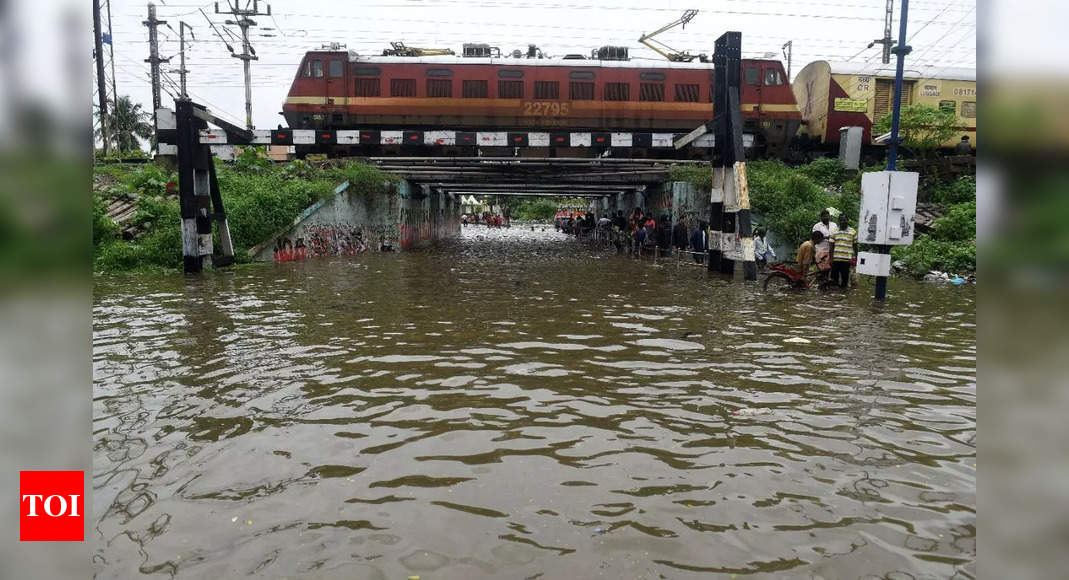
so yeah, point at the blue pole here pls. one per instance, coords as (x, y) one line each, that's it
(900, 50)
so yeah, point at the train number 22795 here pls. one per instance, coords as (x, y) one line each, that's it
(546, 108)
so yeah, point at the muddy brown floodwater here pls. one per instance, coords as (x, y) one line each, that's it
(522, 405)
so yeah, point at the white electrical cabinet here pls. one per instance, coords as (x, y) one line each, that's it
(850, 146)
(888, 203)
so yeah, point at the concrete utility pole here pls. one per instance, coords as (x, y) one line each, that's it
(154, 59)
(886, 40)
(788, 52)
(244, 21)
(111, 57)
(102, 91)
(892, 151)
(183, 71)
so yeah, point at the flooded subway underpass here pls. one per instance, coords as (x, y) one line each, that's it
(524, 405)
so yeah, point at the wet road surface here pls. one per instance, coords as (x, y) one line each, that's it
(522, 405)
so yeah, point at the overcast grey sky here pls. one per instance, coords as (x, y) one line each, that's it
(942, 33)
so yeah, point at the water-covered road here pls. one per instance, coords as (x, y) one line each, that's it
(521, 405)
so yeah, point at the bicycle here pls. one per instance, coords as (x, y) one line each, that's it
(783, 278)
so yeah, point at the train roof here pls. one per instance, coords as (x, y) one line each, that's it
(458, 60)
(888, 70)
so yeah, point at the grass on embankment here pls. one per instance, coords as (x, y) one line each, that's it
(260, 197)
(790, 199)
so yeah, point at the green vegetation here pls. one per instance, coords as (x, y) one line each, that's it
(790, 199)
(260, 198)
(127, 123)
(537, 208)
(923, 129)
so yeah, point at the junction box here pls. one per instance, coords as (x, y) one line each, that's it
(888, 204)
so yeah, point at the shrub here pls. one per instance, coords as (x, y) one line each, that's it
(104, 228)
(536, 209)
(961, 190)
(149, 180)
(927, 253)
(364, 178)
(959, 224)
(252, 160)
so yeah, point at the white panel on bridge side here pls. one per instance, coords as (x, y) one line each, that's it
(213, 137)
(580, 139)
(165, 119)
(347, 137)
(391, 137)
(492, 139)
(224, 152)
(440, 138)
(261, 136)
(663, 140)
(538, 139)
(621, 140)
(706, 140)
(304, 137)
(166, 149)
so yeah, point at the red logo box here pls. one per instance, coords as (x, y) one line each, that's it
(51, 506)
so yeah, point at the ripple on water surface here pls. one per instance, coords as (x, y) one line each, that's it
(522, 405)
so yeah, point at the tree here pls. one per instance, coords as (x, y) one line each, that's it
(126, 123)
(921, 128)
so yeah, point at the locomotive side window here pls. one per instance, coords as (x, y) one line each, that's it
(509, 89)
(439, 88)
(439, 72)
(651, 92)
(336, 69)
(617, 92)
(510, 74)
(368, 87)
(367, 71)
(313, 68)
(948, 106)
(687, 94)
(581, 75)
(772, 77)
(578, 91)
(403, 87)
(968, 109)
(474, 89)
(753, 76)
(651, 76)
(547, 90)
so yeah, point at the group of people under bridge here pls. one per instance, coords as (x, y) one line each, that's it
(830, 251)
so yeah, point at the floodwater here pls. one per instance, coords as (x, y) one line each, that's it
(523, 405)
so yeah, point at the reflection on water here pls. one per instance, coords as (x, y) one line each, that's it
(521, 405)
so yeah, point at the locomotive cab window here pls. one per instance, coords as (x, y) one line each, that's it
(773, 77)
(336, 69)
(948, 106)
(968, 109)
(753, 76)
(547, 90)
(313, 68)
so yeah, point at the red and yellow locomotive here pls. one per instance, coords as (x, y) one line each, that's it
(340, 90)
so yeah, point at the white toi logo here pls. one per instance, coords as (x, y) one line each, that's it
(49, 504)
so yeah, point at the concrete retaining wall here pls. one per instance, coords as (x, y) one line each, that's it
(352, 222)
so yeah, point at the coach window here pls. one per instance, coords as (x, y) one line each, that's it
(403, 87)
(753, 75)
(336, 69)
(651, 92)
(968, 109)
(474, 89)
(546, 90)
(687, 94)
(509, 89)
(368, 87)
(948, 106)
(617, 92)
(439, 88)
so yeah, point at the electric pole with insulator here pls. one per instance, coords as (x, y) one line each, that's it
(182, 70)
(243, 19)
(154, 60)
(102, 91)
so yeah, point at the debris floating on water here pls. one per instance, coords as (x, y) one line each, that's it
(752, 411)
(798, 339)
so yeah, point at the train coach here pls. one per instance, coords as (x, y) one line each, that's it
(835, 95)
(390, 94)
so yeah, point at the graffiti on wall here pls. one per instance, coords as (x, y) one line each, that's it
(317, 240)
